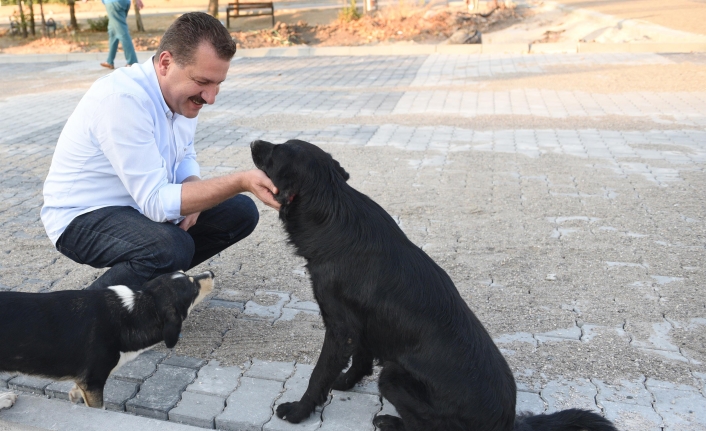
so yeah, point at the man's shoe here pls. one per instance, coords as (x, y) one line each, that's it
(107, 65)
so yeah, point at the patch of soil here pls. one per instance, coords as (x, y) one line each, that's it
(388, 25)
(395, 24)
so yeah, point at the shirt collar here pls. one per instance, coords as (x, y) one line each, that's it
(149, 69)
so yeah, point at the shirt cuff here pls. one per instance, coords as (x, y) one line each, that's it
(170, 198)
(186, 169)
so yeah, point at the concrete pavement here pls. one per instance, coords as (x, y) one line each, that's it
(563, 193)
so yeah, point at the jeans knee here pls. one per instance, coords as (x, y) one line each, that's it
(174, 251)
(251, 215)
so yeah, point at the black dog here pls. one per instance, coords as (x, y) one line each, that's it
(85, 335)
(382, 297)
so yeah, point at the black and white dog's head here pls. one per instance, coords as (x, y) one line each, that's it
(175, 295)
(296, 168)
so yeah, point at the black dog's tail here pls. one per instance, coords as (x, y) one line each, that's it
(566, 420)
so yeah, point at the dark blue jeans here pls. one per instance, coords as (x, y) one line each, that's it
(138, 249)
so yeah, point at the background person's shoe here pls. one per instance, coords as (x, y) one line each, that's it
(107, 65)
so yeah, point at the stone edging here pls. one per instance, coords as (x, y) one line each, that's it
(390, 50)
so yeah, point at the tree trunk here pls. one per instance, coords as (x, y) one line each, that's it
(72, 13)
(138, 20)
(44, 23)
(31, 17)
(213, 8)
(23, 22)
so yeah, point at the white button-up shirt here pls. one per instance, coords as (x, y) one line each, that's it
(122, 146)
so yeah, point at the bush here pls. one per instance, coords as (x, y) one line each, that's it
(99, 24)
(349, 13)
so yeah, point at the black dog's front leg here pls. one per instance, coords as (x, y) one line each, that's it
(334, 356)
(362, 366)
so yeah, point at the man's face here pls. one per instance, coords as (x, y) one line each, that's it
(187, 88)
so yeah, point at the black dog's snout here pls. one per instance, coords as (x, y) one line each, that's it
(261, 151)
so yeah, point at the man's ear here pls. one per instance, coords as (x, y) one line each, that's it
(172, 327)
(164, 60)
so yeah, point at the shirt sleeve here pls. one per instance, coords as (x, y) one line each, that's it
(124, 130)
(189, 166)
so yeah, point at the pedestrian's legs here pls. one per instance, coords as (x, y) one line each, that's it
(117, 18)
(136, 248)
(112, 36)
(222, 226)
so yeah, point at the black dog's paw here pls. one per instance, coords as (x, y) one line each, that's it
(293, 412)
(388, 423)
(342, 383)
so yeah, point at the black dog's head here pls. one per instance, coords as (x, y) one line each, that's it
(296, 167)
(175, 295)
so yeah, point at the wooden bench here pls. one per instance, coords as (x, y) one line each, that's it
(252, 8)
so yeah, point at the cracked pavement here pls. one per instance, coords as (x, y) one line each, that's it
(563, 194)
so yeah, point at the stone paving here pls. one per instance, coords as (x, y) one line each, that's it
(572, 222)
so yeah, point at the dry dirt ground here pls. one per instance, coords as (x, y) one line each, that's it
(684, 15)
(403, 22)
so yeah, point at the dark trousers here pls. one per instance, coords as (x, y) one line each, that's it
(138, 249)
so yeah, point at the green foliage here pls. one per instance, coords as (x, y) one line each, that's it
(350, 13)
(99, 24)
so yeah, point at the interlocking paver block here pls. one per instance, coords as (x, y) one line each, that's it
(5, 377)
(529, 402)
(184, 362)
(140, 368)
(59, 390)
(161, 392)
(682, 407)
(350, 411)
(564, 394)
(118, 392)
(197, 409)
(31, 384)
(216, 380)
(294, 388)
(632, 416)
(625, 392)
(370, 388)
(270, 370)
(388, 408)
(250, 406)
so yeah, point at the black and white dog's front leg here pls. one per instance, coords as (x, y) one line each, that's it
(7, 399)
(338, 347)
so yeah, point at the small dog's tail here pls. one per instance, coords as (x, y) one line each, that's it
(565, 420)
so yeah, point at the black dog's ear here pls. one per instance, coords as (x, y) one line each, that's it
(340, 170)
(172, 327)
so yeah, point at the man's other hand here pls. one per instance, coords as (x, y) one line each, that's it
(189, 221)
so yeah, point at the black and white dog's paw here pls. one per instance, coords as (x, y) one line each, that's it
(294, 412)
(7, 400)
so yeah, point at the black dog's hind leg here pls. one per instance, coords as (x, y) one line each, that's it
(92, 394)
(410, 398)
(334, 356)
(362, 366)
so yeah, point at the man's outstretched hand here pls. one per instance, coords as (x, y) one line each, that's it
(259, 184)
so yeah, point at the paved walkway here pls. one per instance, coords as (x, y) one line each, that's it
(565, 200)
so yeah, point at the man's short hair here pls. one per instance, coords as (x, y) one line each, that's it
(191, 29)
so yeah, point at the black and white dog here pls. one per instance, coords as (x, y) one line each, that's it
(381, 297)
(85, 335)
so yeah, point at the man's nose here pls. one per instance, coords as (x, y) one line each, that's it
(209, 95)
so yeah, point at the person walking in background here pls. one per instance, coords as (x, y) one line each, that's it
(118, 31)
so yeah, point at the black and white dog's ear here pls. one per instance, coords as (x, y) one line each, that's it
(172, 327)
(340, 170)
